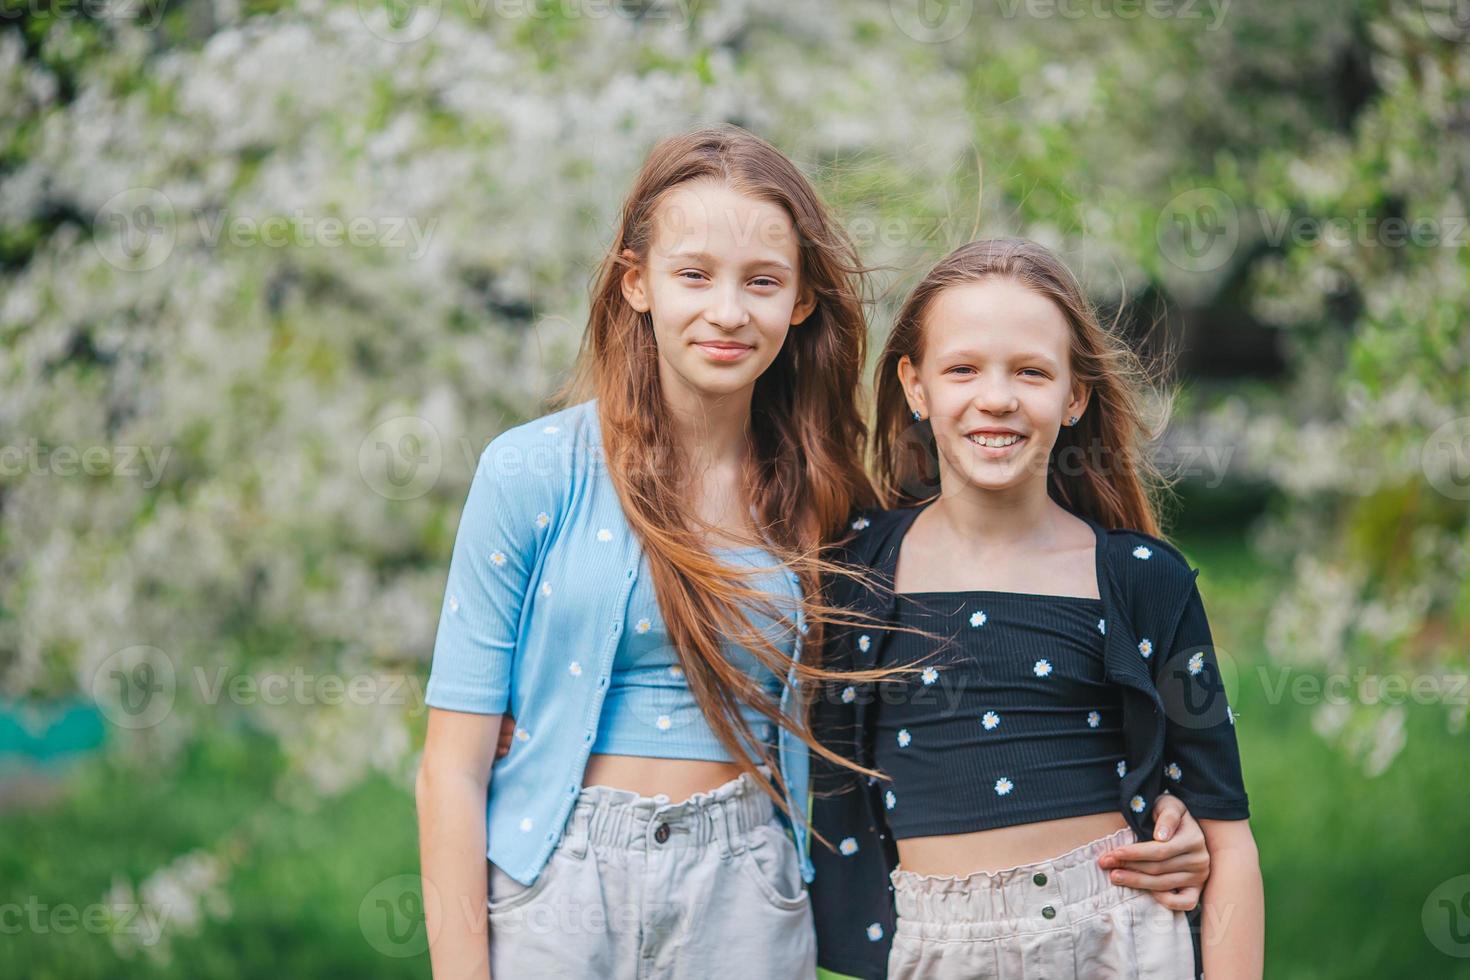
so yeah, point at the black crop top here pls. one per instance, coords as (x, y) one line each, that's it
(1012, 722)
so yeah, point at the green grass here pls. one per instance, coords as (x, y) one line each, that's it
(1348, 861)
(298, 881)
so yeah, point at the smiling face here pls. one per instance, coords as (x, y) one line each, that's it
(722, 282)
(994, 380)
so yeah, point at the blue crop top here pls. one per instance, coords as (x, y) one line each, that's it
(1013, 722)
(649, 710)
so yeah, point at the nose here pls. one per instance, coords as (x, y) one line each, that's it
(997, 397)
(727, 309)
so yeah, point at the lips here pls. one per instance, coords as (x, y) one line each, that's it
(723, 350)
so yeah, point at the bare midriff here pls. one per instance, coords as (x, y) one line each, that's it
(678, 779)
(1003, 847)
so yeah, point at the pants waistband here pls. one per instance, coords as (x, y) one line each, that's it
(609, 817)
(1044, 895)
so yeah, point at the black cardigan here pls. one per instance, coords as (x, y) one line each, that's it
(1172, 699)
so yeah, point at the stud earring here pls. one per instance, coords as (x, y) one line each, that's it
(1072, 420)
(917, 416)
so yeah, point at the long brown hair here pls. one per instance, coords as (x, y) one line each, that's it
(807, 436)
(1097, 467)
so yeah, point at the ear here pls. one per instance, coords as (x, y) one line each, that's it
(635, 284)
(806, 303)
(1081, 397)
(908, 376)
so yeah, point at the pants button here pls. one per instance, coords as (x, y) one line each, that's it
(1047, 912)
(1039, 878)
(662, 833)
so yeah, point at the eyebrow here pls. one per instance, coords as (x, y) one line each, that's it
(706, 259)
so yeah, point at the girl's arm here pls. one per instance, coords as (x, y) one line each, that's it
(512, 503)
(1202, 767)
(1233, 926)
(453, 779)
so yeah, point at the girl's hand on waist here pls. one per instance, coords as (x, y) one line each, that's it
(507, 733)
(1173, 866)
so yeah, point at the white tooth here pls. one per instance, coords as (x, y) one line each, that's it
(995, 442)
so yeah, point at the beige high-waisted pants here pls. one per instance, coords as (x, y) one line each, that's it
(1056, 920)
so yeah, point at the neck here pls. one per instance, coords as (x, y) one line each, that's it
(1017, 516)
(712, 431)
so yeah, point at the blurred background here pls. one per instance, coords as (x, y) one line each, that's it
(273, 272)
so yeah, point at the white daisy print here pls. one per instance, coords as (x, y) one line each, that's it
(1146, 647)
(643, 625)
(664, 723)
(990, 720)
(497, 558)
(904, 738)
(860, 523)
(454, 604)
(1173, 771)
(526, 823)
(575, 668)
(1136, 804)
(1122, 768)
(929, 676)
(1196, 663)
(875, 932)
(889, 799)
(1042, 668)
(864, 642)
(847, 846)
(546, 588)
(603, 534)
(676, 670)
(551, 430)
(1093, 719)
(1003, 786)
(977, 618)
(522, 735)
(1102, 626)
(1142, 552)
(543, 519)
(848, 695)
